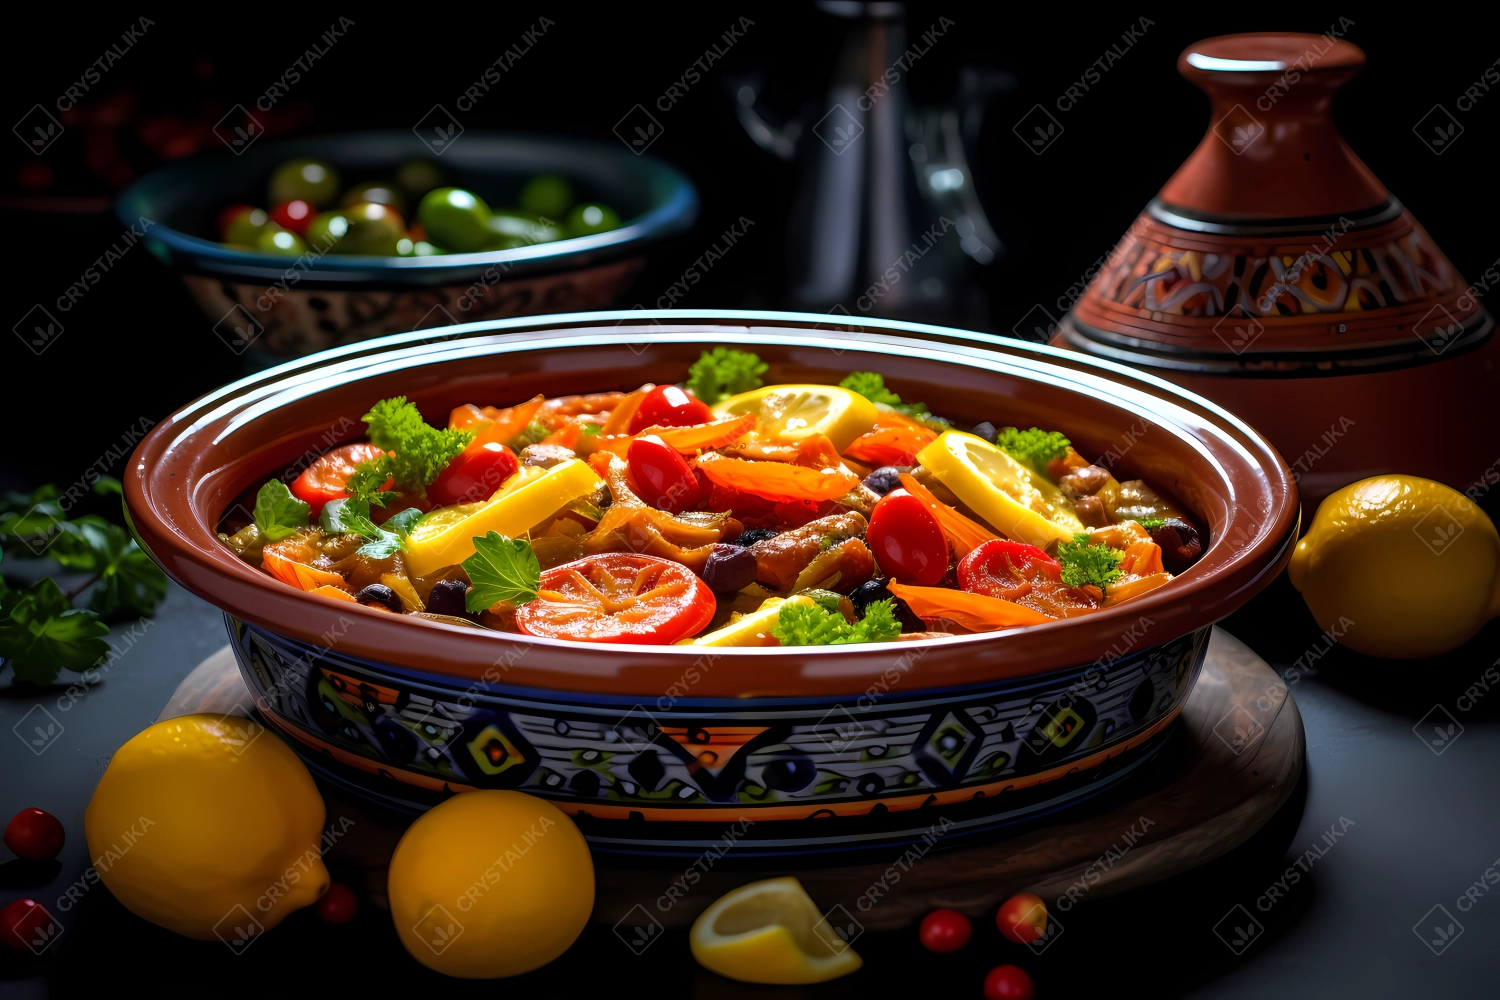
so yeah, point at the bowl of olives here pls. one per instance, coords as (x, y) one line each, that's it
(304, 244)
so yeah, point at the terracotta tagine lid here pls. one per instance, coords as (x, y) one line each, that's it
(1272, 256)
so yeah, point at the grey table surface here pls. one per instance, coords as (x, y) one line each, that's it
(1389, 838)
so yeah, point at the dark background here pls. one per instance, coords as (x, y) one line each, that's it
(136, 345)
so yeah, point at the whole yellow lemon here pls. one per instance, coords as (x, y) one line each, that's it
(1399, 566)
(491, 884)
(208, 826)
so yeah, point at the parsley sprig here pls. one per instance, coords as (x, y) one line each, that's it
(814, 625)
(871, 385)
(416, 453)
(1034, 447)
(41, 632)
(501, 569)
(1083, 563)
(724, 372)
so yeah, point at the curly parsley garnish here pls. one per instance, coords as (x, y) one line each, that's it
(1085, 564)
(871, 385)
(814, 625)
(724, 372)
(1034, 447)
(420, 452)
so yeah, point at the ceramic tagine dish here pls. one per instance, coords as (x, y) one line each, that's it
(654, 745)
(1277, 276)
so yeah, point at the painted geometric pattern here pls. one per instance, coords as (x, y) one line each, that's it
(1157, 278)
(704, 755)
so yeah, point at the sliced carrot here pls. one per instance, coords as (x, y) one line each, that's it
(701, 437)
(566, 435)
(964, 534)
(973, 611)
(777, 480)
(599, 462)
(1142, 559)
(328, 590)
(1116, 593)
(284, 561)
(310, 578)
(507, 423)
(620, 416)
(894, 445)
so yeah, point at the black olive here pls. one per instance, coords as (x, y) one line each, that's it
(1179, 544)
(447, 598)
(379, 593)
(987, 431)
(729, 568)
(749, 538)
(884, 479)
(875, 590)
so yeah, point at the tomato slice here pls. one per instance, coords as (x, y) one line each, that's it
(1023, 574)
(474, 474)
(325, 479)
(618, 597)
(669, 406)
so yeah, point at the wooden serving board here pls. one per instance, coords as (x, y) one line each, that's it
(1235, 760)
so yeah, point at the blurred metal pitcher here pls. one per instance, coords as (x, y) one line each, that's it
(887, 220)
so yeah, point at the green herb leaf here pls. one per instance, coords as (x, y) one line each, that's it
(385, 540)
(29, 516)
(109, 486)
(421, 451)
(1034, 447)
(336, 514)
(871, 385)
(43, 633)
(367, 485)
(128, 581)
(501, 569)
(278, 514)
(724, 372)
(1151, 524)
(1083, 563)
(815, 625)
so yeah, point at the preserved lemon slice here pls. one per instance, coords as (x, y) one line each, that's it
(446, 536)
(794, 411)
(771, 932)
(1015, 501)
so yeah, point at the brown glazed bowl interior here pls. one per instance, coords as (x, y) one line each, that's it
(190, 469)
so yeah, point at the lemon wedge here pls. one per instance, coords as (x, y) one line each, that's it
(1014, 500)
(753, 629)
(771, 932)
(794, 411)
(446, 536)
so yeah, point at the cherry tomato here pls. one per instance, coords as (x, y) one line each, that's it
(34, 835)
(25, 924)
(945, 930)
(660, 475)
(227, 216)
(1022, 918)
(325, 479)
(295, 215)
(907, 540)
(339, 904)
(618, 597)
(474, 474)
(669, 406)
(1008, 982)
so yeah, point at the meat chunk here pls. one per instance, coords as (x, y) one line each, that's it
(545, 456)
(780, 560)
(1084, 482)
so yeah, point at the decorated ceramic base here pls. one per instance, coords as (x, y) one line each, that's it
(799, 775)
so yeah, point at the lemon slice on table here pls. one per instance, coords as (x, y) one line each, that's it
(446, 536)
(1014, 500)
(771, 932)
(793, 411)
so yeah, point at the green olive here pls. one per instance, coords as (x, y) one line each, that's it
(373, 231)
(378, 192)
(547, 195)
(591, 217)
(456, 219)
(246, 228)
(326, 229)
(524, 228)
(419, 176)
(310, 180)
(280, 242)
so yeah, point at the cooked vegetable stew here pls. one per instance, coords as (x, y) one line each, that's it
(720, 512)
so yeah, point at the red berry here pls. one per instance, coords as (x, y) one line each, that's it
(295, 215)
(34, 835)
(1008, 982)
(339, 904)
(945, 930)
(27, 924)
